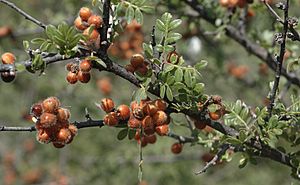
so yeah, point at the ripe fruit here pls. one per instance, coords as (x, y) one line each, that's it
(138, 113)
(79, 24)
(134, 105)
(58, 145)
(63, 135)
(149, 131)
(176, 148)
(143, 70)
(95, 20)
(85, 66)
(85, 13)
(63, 114)
(111, 119)
(147, 122)
(8, 58)
(134, 123)
(43, 137)
(84, 77)
(50, 105)
(107, 105)
(160, 104)
(72, 78)
(8, 76)
(73, 129)
(36, 109)
(162, 130)
(215, 115)
(123, 112)
(151, 139)
(149, 109)
(130, 68)
(137, 60)
(47, 120)
(92, 36)
(160, 118)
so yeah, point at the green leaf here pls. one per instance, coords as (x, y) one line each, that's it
(148, 50)
(162, 91)
(20, 67)
(51, 31)
(168, 68)
(122, 134)
(199, 87)
(131, 134)
(26, 44)
(200, 65)
(174, 24)
(147, 9)
(166, 18)
(139, 16)
(140, 94)
(169, 93)
(173, 37)
(37, 41)
(178, 75)
(169, 48)
(188, 78)
(129, 14)
(160, 25)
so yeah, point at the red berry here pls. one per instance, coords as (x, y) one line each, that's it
(162, 130)
(160, 118)
(72, 77)
(36, 109)
(50, 105)
(123, 112)
(176, 148)
(95, 20)
(107, 105)
(137, 60)
(47, 120)
(111, 119)
(85, 66)
(84, 77)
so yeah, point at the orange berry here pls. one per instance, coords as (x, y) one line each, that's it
(63, 114)
(134, 105)
(50, 105)
(160, 118)
(147, 122)
(130, 68)
(84, 77)
(107, 105)
(176, 148)
(111, 119)
(151, 139)
(63, 135)
(160, 104)
(93, 36)
(8, 58)
(215, 115)
(73, 129)
(149, 109)
(43, 137)
(134, 123)
(72, 78)
(79, 24)
(85, 66)
(162, 130)
(123, 112)
(95, 20)
(138, 113)
(47, 120)
(85, 13)
(137, 60)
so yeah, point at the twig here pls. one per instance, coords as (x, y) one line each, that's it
(182, 139)
(27, 16)
(104, 29)
(216, 158)
(279, 61)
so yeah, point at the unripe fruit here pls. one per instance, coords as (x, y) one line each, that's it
(43, 137)
(85, 13)
(147, 122)
(8, 58)
(149, 109)
(63, 114)
(84, 77)
(107, 105)
(63, 135)
(176, 148)
(36, 110)
(123, 112)
(47, 120)
(215, 115)
(137, 60)
(8, 76)
(72, 78)
(151, 139)
(73, 129)
(130, 68)
(58, 144)
(50, 105)
(134, 123)
(79, 24)
(111, 119)
(85, 66)
(160, 104)
(95, 20)
(93, 36)
(162, 130)
(160, 118)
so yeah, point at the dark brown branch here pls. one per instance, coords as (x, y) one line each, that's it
(27, 16)
(104, 29)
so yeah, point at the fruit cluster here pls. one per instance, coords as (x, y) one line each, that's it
(129, 42)
(137, 64)
(8, 58)
(87, 21)
(53, 123)
(79, 72)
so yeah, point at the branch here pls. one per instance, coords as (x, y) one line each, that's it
(279, 60)
(27, 16)
(104, 29)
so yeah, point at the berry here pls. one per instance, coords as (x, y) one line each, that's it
(134, 105)
(63, 135)
(85, 13)
(147, 122)
(176, 148)
(143, 70)
(85, 66)
(123, 112)
(138, 113)
(162, 130)
(160, 104)
(92, 36)
(73, 129)
(130, 68)
(134, 123)
(58, 144)
(151, 139)
(215, 115)
(200, 124)
(95, 20)
(43, 137)
(63, 114)
(79, 24)
(84, 77)
(72, 78)
(149, 131)
(50, 105)
(160, 118)
(111, 119)
(107, 105)
(36, 109)
(149, 109)
(47, 120)
(8, 58)
(137, 60)
(8, 76)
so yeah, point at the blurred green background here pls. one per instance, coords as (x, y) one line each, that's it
(96, 156)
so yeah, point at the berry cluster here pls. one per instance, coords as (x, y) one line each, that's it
(87, 21)
(137, 64)
(129, 42)
(8, 58)
(79, 72)
(53, 123)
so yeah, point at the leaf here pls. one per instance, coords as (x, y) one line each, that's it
(139, 16)
(168, 68)
(178, 75)
(148, 50)
(173, 37)
(131, 134)
(200, 65)
(162, 91)
(122, 134)
(37, 41)
(199, 87)
(51, 31)
(188, 78)
(166, 18)
(174, 24)
(169, 93)
(160, 25)
(243, 162)
(26, 44)
(147, 9)
(140, 94)
(20, 67)
(129, 14)
(99, 61)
